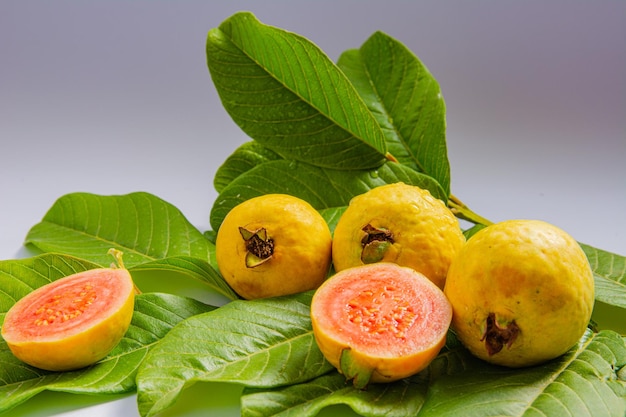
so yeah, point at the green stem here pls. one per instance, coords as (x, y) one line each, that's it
(461, 211)
(118, 257)
(390, 157)
(119, 263)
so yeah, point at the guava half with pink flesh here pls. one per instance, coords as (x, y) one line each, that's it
(72, 322)
(380, 322)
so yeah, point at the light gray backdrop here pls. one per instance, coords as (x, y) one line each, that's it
(112, 97)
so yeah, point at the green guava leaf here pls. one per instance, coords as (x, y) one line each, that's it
(265, 343)
(406, 100)
(245, 157)
(141, 225)
(284, 92)
(310, 398)
(210, 279)
(468, 233)
(323, 188)
(609, 271)
(583, 382)
(332, 216)
(154, 316)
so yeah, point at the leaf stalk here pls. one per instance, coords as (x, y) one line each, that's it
(462, 211)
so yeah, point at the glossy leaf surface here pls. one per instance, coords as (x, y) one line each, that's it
(323, 188)
(284, 92)
(587, 381)
(406, 100)
(141, 225)
(267, 342)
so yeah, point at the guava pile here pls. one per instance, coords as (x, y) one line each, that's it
(397, 275)
(392, 280)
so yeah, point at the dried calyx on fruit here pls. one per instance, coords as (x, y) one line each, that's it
(375, 243)
(259, 246)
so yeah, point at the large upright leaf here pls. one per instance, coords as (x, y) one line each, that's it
(265, 343)
(154, 316)
(140, 224)
(587, 381)
(283, 91)
(406, 100)
(323, 188)
(609, 270)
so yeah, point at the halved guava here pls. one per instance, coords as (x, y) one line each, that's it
(380, 322)
(72, 322)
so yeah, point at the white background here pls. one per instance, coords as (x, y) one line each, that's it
(114, 97)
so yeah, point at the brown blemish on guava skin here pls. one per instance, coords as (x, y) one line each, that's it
(496, 336)
(259, 246)
(375, 243)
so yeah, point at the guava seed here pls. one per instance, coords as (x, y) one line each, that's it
(52, 312)
(386, 313)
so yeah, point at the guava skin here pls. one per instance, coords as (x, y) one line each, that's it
(522, 293)
(379, 322)
(398, 223)
(84, 338)
(273, 245)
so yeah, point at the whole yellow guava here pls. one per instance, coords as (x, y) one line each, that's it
(273, 245)
(522, 293)
(398, 223)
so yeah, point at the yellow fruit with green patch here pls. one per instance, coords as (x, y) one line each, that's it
(398, 223)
